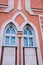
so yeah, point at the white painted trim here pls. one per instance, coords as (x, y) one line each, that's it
(16, 14)
(9, 7)
(36, 38)
(40, 10)
(28, 6)
(41, 25)
(22, 14)
(19, 5)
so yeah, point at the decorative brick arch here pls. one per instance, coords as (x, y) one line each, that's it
(16, 14)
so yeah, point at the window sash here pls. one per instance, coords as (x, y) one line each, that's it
(29, 37)
(10, 44)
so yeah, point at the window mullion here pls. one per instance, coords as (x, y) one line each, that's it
(4, 40)
(10, 40)
(10, 36)
(28, 41)
(33, 42)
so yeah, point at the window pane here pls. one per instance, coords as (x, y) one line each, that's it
(29, 32)
(8, 31)
(13, 31)
(25, 41)
(25, 31)
(10, 27)
(30, 41)
(12, 40)
(7, 38)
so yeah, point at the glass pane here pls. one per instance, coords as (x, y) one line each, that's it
(12, 40)
(30, 41)
(29, 32)
(8, 31)
(13, 31)
(25, 41)
(25, 31)
(7, 38)
(10, 27)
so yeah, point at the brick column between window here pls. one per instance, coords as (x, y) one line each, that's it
(19, 40)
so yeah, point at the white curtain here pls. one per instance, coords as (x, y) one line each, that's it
(8, 56)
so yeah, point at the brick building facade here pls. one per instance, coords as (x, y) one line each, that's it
(21, 32)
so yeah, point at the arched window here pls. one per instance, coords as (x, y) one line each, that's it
(28, 36)
(29, 48)
(10, 35)
(10, 45)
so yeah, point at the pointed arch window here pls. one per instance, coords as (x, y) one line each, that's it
(10, 35)
(28, 36)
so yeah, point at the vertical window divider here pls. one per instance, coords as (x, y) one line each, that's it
(28, 39)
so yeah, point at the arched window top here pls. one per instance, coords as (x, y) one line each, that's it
(10, 38)
(10, 30)
(28, 30)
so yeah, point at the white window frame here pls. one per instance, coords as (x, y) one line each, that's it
(10, 35)
(29, 36)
